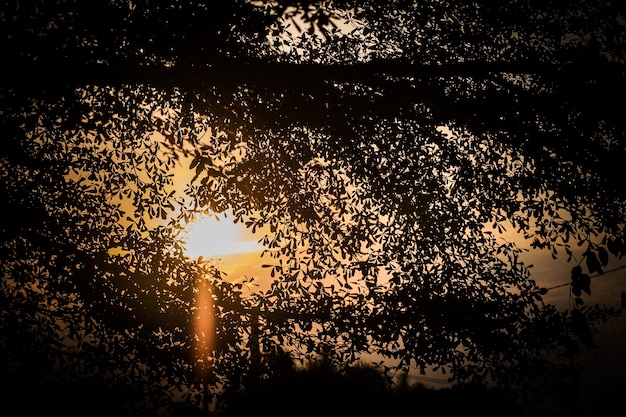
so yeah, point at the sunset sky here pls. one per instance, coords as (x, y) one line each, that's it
(234, 248)
(202, 197)
(238, 254)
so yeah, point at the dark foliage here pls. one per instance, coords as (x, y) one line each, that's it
(385, 147)
(362, 391)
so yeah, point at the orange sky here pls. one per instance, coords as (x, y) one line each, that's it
(238, 255)
(601, 371)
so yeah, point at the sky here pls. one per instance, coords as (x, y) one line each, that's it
(217, 235)
(237, 253)
(234, 248)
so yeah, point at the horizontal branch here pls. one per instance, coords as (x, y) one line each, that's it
(239, 72)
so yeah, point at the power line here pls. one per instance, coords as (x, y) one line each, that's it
(592, 276)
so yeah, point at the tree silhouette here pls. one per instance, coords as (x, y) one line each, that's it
(384, 146)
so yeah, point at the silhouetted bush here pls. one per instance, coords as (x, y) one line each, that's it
(362, 391)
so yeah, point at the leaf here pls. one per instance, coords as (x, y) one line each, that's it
(604, 256)
(585, 283)
(593, 264)
(612, 246)
(194, 162)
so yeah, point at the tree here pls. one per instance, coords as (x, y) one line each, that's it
(383, 145)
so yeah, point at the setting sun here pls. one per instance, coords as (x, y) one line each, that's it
(218, 235)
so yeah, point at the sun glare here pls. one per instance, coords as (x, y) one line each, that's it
(204, 329)
(217, 235)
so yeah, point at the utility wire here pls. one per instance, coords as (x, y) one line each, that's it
(592, 276)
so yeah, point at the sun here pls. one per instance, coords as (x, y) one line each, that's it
(217, 235)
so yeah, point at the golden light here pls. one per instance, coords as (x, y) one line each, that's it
(204, 329)
(231, 247)
(213, 236)
(217, 235)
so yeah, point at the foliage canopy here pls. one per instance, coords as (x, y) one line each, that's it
(383, 145)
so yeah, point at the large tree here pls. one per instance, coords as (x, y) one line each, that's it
(383, 145)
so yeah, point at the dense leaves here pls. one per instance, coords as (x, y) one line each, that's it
(385, 148)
